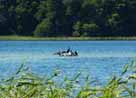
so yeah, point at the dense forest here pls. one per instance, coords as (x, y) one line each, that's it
(68, 17)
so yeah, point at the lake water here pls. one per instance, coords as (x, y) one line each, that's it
(99, 59)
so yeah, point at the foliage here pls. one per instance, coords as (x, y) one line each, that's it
(89, 28)
(44, 28)
(77, 28)
(68, 17)
(25, 84)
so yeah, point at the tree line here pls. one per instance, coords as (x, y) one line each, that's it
(68, 17)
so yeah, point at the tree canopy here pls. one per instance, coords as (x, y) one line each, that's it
(68, 17)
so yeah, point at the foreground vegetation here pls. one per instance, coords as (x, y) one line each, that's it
(68, 17)
(25, 84)
(30, 38)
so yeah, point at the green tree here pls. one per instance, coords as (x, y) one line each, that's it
(114, 22)
(41, 13)
(44, 28)
(77, 29)
(25, 21)
(54, 16)
(4, 19)
(90, 29)
(72, 15)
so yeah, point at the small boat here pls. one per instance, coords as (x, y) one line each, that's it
(66, 53)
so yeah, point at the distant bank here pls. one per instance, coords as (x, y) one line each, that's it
(64, 38)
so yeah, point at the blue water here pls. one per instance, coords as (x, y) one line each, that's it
(99, 59)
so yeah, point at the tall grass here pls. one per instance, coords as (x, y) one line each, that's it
(25, 84)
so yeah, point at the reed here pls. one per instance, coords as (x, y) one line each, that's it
(25, 84)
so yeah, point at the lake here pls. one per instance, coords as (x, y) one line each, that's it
(99, 59)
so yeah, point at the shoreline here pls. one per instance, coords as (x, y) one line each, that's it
(30, 38)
